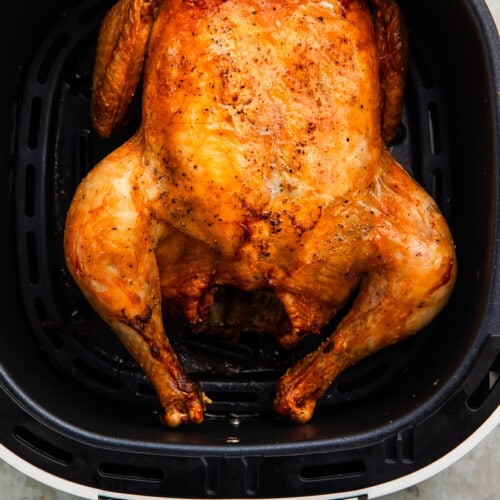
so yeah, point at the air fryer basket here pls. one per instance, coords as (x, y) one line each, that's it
(74, 403)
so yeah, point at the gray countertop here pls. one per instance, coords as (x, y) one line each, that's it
(475, 476)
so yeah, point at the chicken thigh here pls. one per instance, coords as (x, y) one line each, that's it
(260, 163)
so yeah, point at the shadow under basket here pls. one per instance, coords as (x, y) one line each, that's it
(75, 405)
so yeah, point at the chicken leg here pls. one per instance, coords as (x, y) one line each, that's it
(110, 243)
(409, 270)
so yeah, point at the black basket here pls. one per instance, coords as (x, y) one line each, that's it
(75, 404)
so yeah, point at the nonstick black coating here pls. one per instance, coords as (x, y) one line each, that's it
(75, 403)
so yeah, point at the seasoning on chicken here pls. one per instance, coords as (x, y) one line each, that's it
(260, 163)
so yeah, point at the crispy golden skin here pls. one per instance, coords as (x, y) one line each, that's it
(260, 163)
(119, 60)
(392, 43)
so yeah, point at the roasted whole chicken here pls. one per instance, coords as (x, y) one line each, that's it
(261, 163)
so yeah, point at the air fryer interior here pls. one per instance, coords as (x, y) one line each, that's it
(76, 403)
